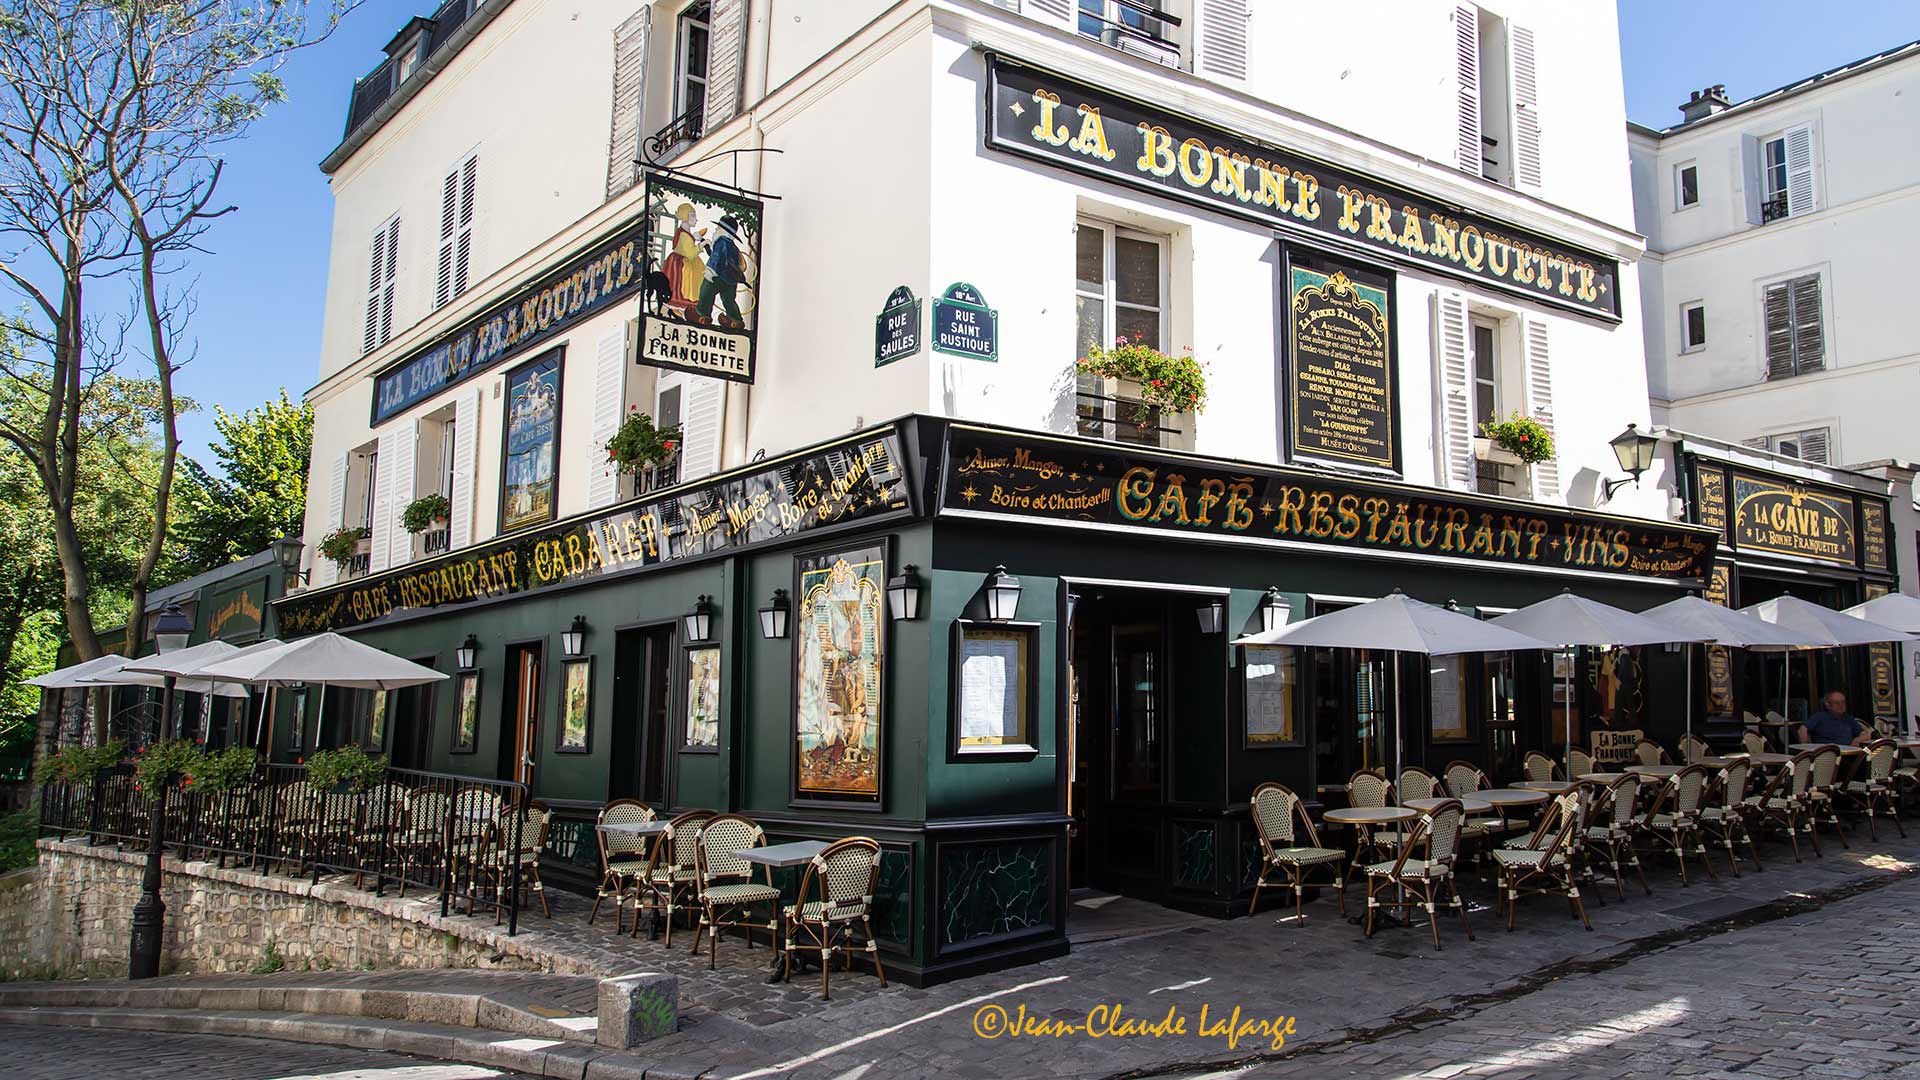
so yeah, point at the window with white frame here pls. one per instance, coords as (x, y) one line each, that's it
(1781, 174)
(1490, 477)
(1693, 326)
(1120, 291)
(1773, 178)
(457, 194)
(1810, 444)
(1144, 28)
(382, 272)
(1686, 185)
(1796, 340)
(691, 43)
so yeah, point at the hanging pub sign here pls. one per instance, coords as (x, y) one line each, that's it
(896, 330)
(1883, 668)
(1776, 515)
(701, 307)
(964, 325)
(1046, 116)
(1341, 364)
(236, 612)
(1873, 534)
(585, 284)
(858, 479)
(1015, 476)
(1719, 657)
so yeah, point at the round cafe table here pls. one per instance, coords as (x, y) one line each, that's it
(1602, 777)
(1505, 797)
(1370, 815)
(1551, 787)
(1906, 743)
(1802, 747)
(1471, 804)
(1714, 762)
(1657, 771)
(1770, 758)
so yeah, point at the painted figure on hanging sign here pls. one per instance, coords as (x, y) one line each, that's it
(576, 705)
(1719, 657)
(839, 639)
(703, 698)
(1341, 362)
(701, 314)
(466, 712)
(533, 418)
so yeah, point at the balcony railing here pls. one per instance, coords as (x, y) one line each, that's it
(1134, 28)
(1773, 208)
(441, 833)
(678, 132)
(1113, 418)
(436, 540)
(361, 564)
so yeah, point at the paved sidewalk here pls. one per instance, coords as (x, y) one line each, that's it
(47, 1053)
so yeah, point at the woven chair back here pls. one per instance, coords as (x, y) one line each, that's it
(1580, 762)
(679, 849)
(1693, 748)
(1443, 832)
(722, 838)
(426, 811)
(1418, 783)
(1567, 812)
(1802, 766)
(1648, 752)
(1882, 755)
(1624, 796)
(1689, 789)
(533, 829)
(1465, 778)
(624, 812)
(1368, 788)
(1733, 784)
(845, 873)
(1826, 762)
(1537, 766)
(1273, 814)
(1753, 742)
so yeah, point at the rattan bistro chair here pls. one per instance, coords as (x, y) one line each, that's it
(843, 876)
(1463, 778)
(673, 869)
(1539, 767)
(1675, 821)
(1546, 864)
(1723, 818)
(1820, 793)
(1426, 881)
(1275, 808)
(724, 884)
(1875, 789)
(1693, 748)
(1418, 783)
(1786, 802)
(1612, 829)
(1579, 762)
(1648, 752)
(502, 855)
(623, 858)
(1753, 742)
(1368, 788)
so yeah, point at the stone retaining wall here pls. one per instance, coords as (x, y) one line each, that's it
(68, 916)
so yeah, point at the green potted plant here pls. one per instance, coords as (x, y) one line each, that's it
(224, 770)
(1167, 384)
(425, 512)
(341, 545)
(164, 764)
(348, 768)
(640, 447)
(1522, 436)
(78, 764)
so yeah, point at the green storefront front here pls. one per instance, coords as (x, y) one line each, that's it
(1099, 731)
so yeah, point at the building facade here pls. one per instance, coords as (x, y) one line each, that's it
(1773, 315)
(853, 253)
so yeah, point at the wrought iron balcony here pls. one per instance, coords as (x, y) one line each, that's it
(1134, 28)
(1773, 208)
(679, 131)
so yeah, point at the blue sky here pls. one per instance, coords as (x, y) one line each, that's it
(262, 287)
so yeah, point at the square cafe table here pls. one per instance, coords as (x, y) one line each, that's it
(794, 853)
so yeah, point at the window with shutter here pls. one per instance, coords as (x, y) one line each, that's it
(1141, 28)
(1468, 152)
(1453, 362)
(1795, 330)
(466, 423)
(1526, 110)
(456, 230)
(1220, 39)
(382, 267)
(726, 50)
(1809, 445)
(1539, 384)
(629, 99)
(1799, 162)
(609, 409)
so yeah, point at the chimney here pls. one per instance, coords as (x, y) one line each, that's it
(1705, 103)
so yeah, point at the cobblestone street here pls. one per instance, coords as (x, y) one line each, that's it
(53, 1053)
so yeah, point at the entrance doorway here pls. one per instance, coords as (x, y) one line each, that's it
(412, 722)
(642, 691)
(520, 735)
(1800, 678)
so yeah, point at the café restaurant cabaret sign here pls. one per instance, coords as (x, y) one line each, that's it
(585, 284)
(1039, 479)
(1070, 124)
(1779, 516)
(857, 479)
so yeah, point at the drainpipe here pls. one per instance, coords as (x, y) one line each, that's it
(753, 91)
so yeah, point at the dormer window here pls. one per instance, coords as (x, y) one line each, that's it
(408, 49)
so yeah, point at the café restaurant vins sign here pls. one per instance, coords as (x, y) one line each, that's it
(857, 479)
(1779, 516)
(1070, 124)
(1034, 478)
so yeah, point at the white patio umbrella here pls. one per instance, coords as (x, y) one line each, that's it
(1397, 623)
(76, 674)
(266, 645)
(1898, 610)
(325, 660)
(1568, 620)
(1830, 628)
(1693, 615)
(121, 673)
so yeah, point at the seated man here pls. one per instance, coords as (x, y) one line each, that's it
(1834, 724)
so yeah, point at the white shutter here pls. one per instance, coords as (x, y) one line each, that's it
(324, 571)
(703, 427)
(1748, 169)
(609, 407)
(404, 486)
(456, 230)
(449, 225)
(1059, 12)
(466, 422)
(1453, 419)
(1801, 196)
(1220, 39)
(376, 274)
(1813, 446)
(463, 245)
(385, 519)
(726, 60)
(1468, 152)
(629, 99)
(392, 275)
(1526, 110)
(1539, 368)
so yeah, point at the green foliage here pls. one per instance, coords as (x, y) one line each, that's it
(166, 763)
(341, 544)
(17, 833)
(422, 512)
(270, 962)
(639, 444)
(75, 764)
(259, 495)
(348, 765)
(225, 770)
(1171, 384)
(1523, 435)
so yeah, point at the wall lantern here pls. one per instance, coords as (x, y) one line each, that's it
(699, 621)
(1003, 595)
(467, 653)
(903, 593)
(1634, 451)
(775, 616)
(1212, 614)
(172, 629)
(286, 551)
(573, 639)
(1275, 610)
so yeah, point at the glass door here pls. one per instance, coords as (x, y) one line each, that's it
(1138, 745)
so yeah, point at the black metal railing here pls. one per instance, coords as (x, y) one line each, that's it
(438, 832)
(1773, 208)
(1137, 28)
(1118, 419)
(436, 540)
(679, 131)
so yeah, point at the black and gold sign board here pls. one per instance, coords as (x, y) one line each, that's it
(1710, 496)
(858, 479)
(1039, 479)
(1719, 657)
(1077, 126)
(1883, 666)
(1340, 364)
(1873, 535)
(1777, 515)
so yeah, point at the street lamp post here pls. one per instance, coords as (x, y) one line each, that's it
(170, 632)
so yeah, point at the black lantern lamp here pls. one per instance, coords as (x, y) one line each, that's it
(775, 617)
(1003, 595)
(171, 629)
(699, 621)
(573, 639)
(903, 593)
(1634, 451)
(286, 551)
(1212, 614)
(1275, 610)
(467, 653)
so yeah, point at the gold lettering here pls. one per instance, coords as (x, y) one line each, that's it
(1092, 140)
(1044, 128)
(1156, 150)
(1239, 507)
(1196, 175)
(1173, 500)
(1132, 493)
(1351, 200)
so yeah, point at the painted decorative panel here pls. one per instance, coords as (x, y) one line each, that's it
(991, 890)
(1198, 859)
(893, 898)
